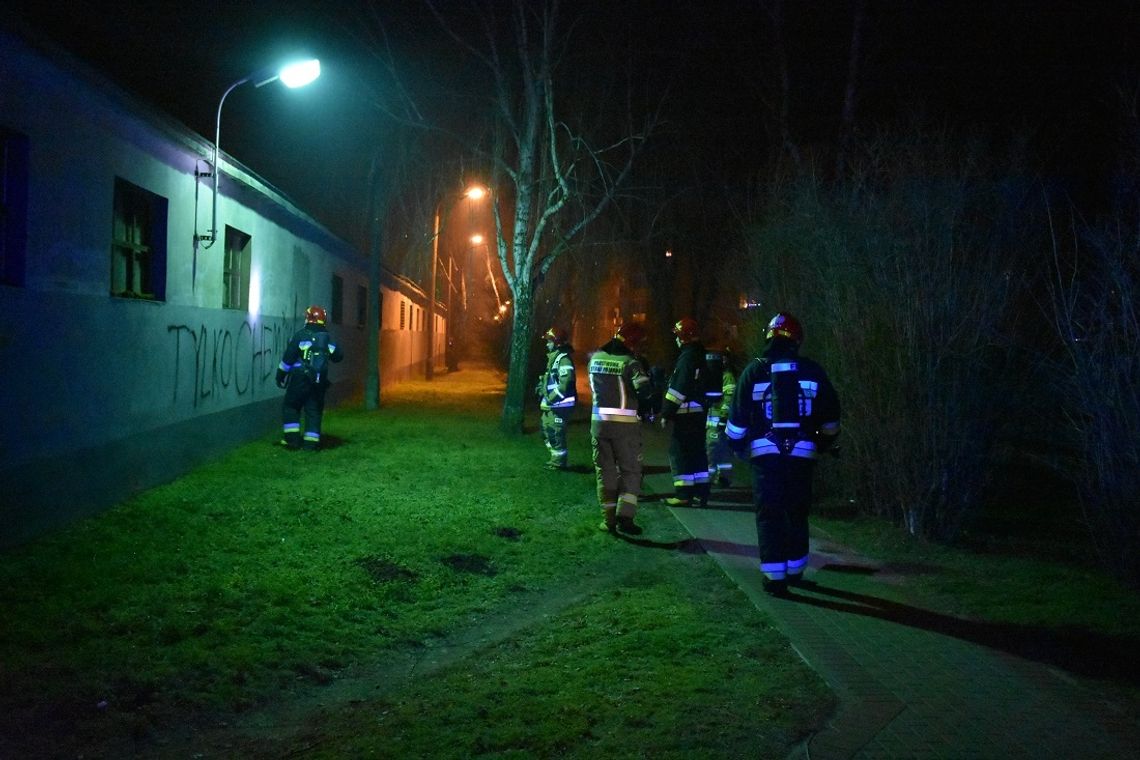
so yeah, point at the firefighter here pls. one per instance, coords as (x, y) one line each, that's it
(620, 389)
(556, 392)
(785, 413)
(303, 373)
(683, 412)
(718, 400)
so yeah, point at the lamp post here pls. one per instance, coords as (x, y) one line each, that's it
(475, 192)
(292, 75)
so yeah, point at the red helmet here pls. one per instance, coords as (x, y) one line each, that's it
(686, 329)
(631, 334)
(784, 325)
(315, 315)
(557, 335)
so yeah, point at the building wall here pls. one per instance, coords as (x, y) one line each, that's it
(107, 395)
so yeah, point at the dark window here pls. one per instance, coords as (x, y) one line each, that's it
(235, 274)
(361, 305)
(337, 300)
(13, 206)
(138, 243)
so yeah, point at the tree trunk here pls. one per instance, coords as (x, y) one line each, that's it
(518, 370)
(847, 117)
(375, 299)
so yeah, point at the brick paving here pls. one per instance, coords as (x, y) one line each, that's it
(911, 683)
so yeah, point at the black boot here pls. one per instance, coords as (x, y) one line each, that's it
(776, 587)
(628, 526)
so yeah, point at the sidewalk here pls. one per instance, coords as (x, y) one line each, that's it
(911, 683)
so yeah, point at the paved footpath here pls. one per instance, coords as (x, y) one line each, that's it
(911, 683)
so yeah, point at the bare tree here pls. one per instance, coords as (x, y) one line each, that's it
(552, 174)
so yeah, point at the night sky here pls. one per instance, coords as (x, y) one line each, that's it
(1046, 69)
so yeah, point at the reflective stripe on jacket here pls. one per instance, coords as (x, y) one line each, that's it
(786, 405)
(618, 386)
(560, 382)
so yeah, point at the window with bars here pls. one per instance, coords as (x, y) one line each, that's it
(13, 206)
(138, 243)
(235, 273)
(361, 305)
(403, 311)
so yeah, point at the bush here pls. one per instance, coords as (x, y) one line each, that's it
(906, 282)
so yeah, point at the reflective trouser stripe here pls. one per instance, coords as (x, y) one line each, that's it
(690, 478)
(291, 427)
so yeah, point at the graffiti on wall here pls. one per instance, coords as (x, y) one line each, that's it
(227, 362)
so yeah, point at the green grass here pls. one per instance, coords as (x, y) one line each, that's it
(276, 600)
(423, 588)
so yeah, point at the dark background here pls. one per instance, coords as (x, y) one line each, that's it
(1047, 72)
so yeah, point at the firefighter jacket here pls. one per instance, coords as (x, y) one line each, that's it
(558, 383)
(784, 404)
(718, 396)
(299, 355)
(686, 392)
(619, 386)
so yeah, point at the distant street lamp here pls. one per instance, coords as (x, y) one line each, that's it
(475, 192)
(292, 75)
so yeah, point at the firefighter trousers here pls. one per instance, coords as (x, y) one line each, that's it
(782, 492)
(617, 466)
(302, 394)
(687, 457)
(554, 422)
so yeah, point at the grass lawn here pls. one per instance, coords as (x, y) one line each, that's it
(422, 587)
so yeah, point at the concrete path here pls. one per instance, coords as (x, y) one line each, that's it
(911, 683)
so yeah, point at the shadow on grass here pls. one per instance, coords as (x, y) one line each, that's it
(684, 545)
(328, 442)
(1076, 650)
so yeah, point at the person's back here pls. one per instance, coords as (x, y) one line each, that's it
(617, 380)
(619, 386)
(684, 407)
(303, 373)
(784, 413)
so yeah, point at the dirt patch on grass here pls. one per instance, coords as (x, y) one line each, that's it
(384, 570)
(266, 729)
(470, 563)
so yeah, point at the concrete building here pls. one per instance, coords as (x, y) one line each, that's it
(131, 349)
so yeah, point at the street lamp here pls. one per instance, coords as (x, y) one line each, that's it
(475, 192)
(292, 75)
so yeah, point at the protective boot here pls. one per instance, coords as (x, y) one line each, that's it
(628, 526)
(609, 519)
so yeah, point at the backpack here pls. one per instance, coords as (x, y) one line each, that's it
(315, 356)
(712, 376)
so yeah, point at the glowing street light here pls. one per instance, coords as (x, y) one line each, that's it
(292, 75)
(475, 192)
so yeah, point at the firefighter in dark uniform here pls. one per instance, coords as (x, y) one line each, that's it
(303, 373)
(619, 386)
(684, 411)
(718, 400)
(557, 395)
(785, 414)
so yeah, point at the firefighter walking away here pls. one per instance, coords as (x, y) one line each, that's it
(785, 413)
(304, 374)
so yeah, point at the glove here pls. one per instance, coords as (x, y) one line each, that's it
(282, 377)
